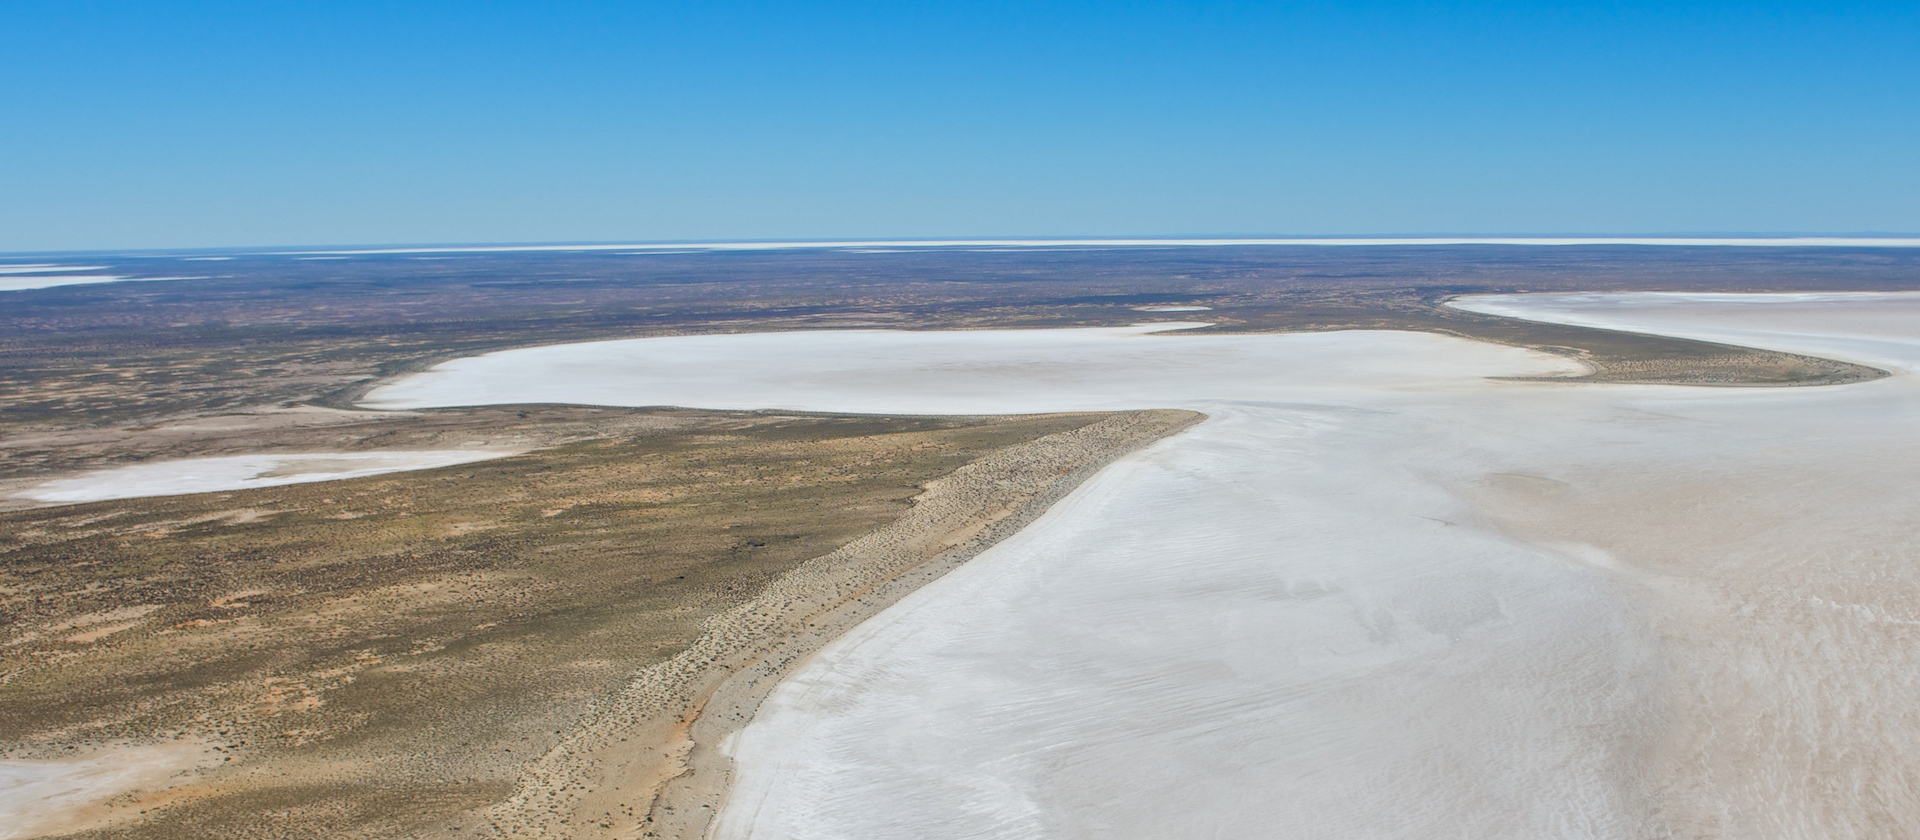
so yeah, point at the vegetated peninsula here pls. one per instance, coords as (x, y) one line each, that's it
(465, 648)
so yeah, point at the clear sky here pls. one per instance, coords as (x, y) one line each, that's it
(185, 124)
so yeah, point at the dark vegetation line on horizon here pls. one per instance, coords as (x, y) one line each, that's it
(276, 329)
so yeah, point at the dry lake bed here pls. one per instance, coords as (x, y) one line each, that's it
(1397, 585)
(868, 582)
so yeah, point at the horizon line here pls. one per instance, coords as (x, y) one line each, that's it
(1018, 243)
(1163, 242)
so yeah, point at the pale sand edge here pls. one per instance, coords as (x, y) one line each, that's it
(647, 762)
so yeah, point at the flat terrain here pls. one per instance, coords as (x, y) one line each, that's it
(275, 329)
(389, 656)
(373, 656)
(1395, 585)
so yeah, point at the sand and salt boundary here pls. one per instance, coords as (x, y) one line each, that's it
(585, 779)
(1342, 558)
(650, 760)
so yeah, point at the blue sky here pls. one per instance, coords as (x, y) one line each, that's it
(188, 124)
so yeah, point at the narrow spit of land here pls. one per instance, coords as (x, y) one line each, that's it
(648, 762)
(379, 656)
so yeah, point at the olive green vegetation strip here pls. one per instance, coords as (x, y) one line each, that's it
(415, 639)
(1613, 356)
(647, 761)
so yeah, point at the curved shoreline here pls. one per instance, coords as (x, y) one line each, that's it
(1737, 365)
(650, 761)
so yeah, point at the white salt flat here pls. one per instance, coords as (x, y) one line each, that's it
(1378, 594)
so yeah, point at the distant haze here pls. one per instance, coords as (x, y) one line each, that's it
(207, 125)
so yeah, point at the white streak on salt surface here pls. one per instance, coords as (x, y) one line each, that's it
(45, 268)
(241, 472)
(23, 282)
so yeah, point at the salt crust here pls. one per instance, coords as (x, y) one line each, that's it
(1344, 606)
(1319, 614)
(43, 798)
(13, 282)
(44, 268)
(241, 472)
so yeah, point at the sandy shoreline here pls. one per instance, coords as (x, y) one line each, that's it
(650, 762)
